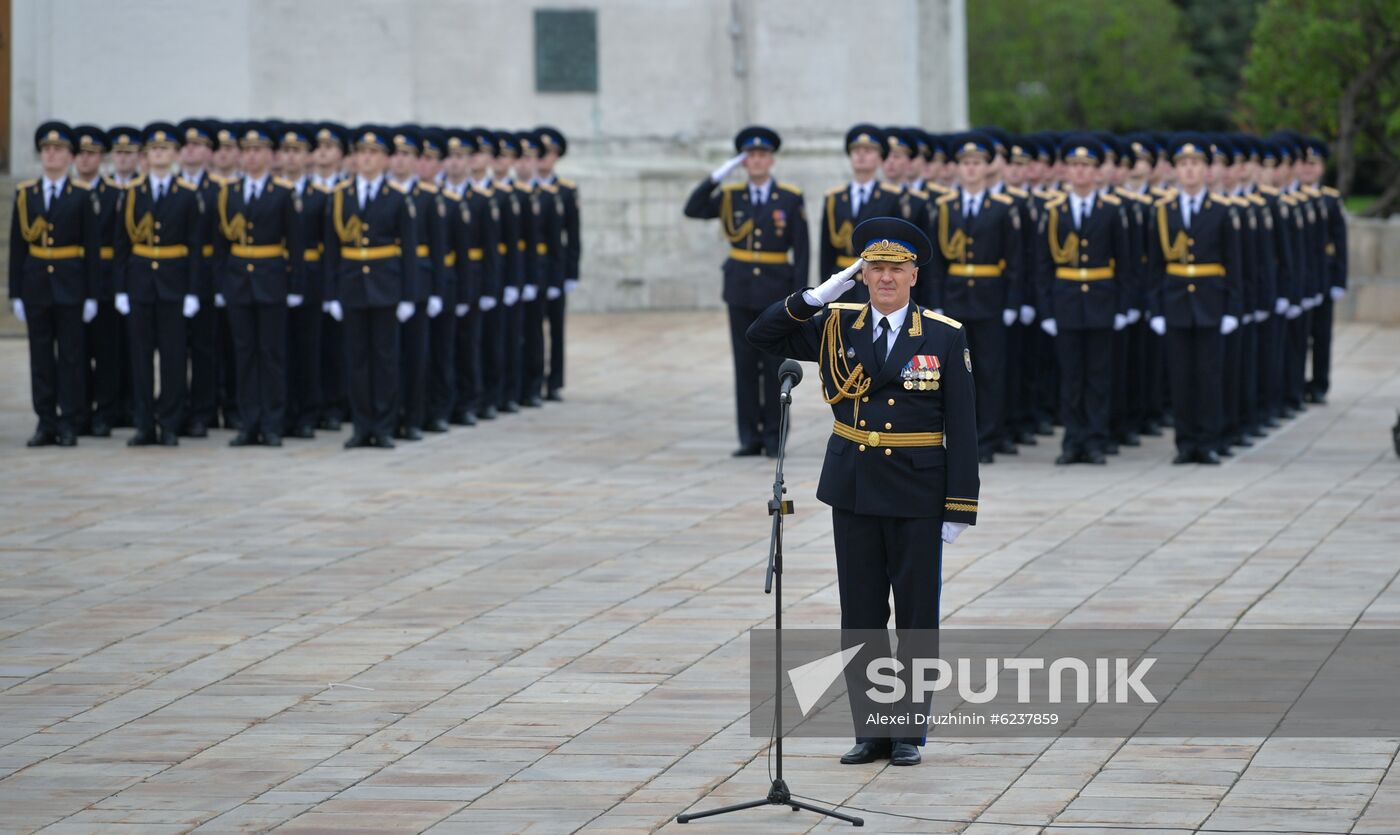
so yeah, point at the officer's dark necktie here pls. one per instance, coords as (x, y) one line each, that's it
(882, 344)
(157, 192)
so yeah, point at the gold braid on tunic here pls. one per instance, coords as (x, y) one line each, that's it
(848, 383)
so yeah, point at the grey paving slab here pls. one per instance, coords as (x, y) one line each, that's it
(539, 624)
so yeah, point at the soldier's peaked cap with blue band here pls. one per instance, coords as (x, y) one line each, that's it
(757, 138)
(892, 239)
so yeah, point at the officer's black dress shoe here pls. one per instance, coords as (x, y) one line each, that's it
(67, 439)
(357, 441)
(1319, 398)
(866, 752)
(1005, 447)
(458, 418)
(1064, 459)
(1111, 447)
(487, 413)
(1224, 452)
(271, 440)
(1044, 428)
(770, 452)
(555, 396)
(169, 438)
(1025, 439)
(410, 433)
(196, 429)
(1130, 439)
(1184, 458)
(1255, 432)
(1094, 456)
(985, 458)
(244, 439)
(383, 442)
(41, 438)
(1208, 457)
(1241, 440)
(905, 753)
(1151, 430)
(437, 425)
(533, 402)
(100, 429)
(233, 422)
(1309, 396)
(747, 451)
(330, 424)
(305, 432)
(141, 439)
(511, 407)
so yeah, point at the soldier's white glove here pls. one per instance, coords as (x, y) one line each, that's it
(951, 530)
(1134, 315)
(1247, 318)
(1049, 326)
(835, 286)
(1158, 324)
(1008, 317)
(191, 306)
(729, 165)
(529, 292)
(18, 307)
(1027, 314)
(1337, 292)
(570, 285)
(1280, 306)
(1120, 321)
(510, 296)
(1294, 311)
(89, 310)
(461, 310)
(404, 311)
(1228, 324)
(122, 302)
(295, 300)
(335, 310)
(487, 303)
(552, 293)
(1317, 300)
(434, 306)
(219, 300)
(1261, 315)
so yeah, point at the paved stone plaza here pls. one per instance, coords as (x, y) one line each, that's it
(538, 625)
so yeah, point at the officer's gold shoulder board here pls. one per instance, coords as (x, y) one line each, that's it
(568, 183)
(947, 320)
(1055, 201)
(1331, 192)
(21, 186)
(80, 184)
(428, 187)
(450, 196)
(948, 198)
(832, 192)
(284, 182)
(1002, 198)
(186, 183)
(1017, 192)
(790, 188)
(733, 186)
(886, 187)
(321, 188)
(399, 187)
(922, 195)
(1110, 200)
(342, 185)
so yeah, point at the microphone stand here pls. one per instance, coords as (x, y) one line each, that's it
(778, 794)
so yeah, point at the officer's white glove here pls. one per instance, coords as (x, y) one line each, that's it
(1008, 317)
(89, 310)
(1305, 304)
(1337, 292)
(1134, 315)
(1280, 306)
(1294, 311)
(1120, 321)
(1317, 300)
(510, 296)
(1049, 326)
(219, 300)
(1228, 324)
(835, 286)
(335, 310)
(951, 531)
(191, 306)
(529, 292)
(295, 300)
(18, 307)
(1158, 324)
(729, 165)
(570, 285)
(552, 293)
(461, 310)
(1261, 315)
(487, 303)
(122, 302)
(404, 311)
(434, 306)
(1246, 318)
(1027, 314)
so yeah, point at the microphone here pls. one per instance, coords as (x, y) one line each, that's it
(790, 374)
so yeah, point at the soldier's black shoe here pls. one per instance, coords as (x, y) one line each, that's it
(306, 432)
(459, 417)
(747, 451)
(770, 451)
(511, 407)
(1006, 447)
(271, 440)
(554, 396)
(1094, 456)
(437, 425)
(330, 424)
(1184, 458)
(100, 429)
(1319, 398)
(1309, 396)
(1224, 452)
(905, 753)
(487, 413)
(409, 433)
(1151, 430)
(233, 422)
(866, 752)
(169, 438)
(1064, 459)
(1130, 439)
(196, 429)
(985, 458)
(356, 441)
(67, 439)
(1025, 439)
(141, 439)
(41, 438)
(383, 442)
(533, 402)
(244, 439)
(1044, 429)
(1208, 457)
(1111, 448)
(1255, 432)
(1241, 440)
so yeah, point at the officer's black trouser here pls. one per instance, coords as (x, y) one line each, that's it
(512, 353)
(372, 359)
(877, 555)
(1321, 332)
(1195, 357)
(533, 370)
(202, 333)
(106, 345)
(1270, 368)
(225, 365)
(1012, 391)
(260, 354)
(1295, 358)
(413, 368)
(555, 310)
(442, 363)
(755, 383)
(1118, 385)
(491, 356)
(987, 343)
(1154, 382)
(334, 372)
(57, 374)
(1230, 382)
(1249, 377)
(304, 365)
(157, 327)
(1086, 359)
(471, 393)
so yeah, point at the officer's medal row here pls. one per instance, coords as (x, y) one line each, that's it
(921, 373)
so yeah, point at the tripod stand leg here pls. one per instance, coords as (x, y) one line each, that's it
(831, 813)
(737, 807)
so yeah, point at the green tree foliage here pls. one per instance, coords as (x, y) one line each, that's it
(1110, 64)
(1331, 67)
(1218, 34)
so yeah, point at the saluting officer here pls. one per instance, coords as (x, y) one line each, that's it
(764, 223)
(863, 197)
(1196, 299)
(371, 263)
(102, 363)
(54, 237)
(975, 277)
(553, 146)
(260, 236)
(1084, 297)
(900, 472)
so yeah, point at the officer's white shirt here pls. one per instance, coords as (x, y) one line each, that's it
(1191, 206)
(254, 188)
(759, 193)
(53, 188)
(972, 203)
(861, 194)
(1081, 207)
(161, 185)
(886, 339)
(366, 190)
